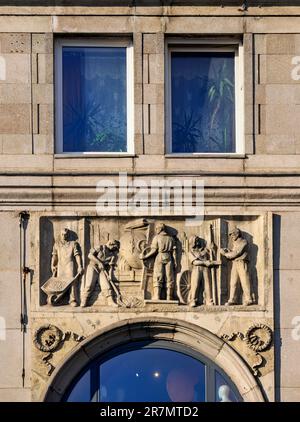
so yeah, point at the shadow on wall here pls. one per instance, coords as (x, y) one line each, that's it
(276, 289)
(253, 251)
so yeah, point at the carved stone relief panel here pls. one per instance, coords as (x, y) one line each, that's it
(121, 262)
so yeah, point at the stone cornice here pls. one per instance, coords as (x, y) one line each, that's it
(149, 3)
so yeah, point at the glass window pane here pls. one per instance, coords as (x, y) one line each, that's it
(94, 99)
(81, 392)
(157, 375)
(224, 392)
(203, 102)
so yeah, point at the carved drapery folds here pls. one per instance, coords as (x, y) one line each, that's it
(120, 262)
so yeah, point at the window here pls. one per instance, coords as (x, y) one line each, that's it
(94, 96)
(152, 372)
(204, 109)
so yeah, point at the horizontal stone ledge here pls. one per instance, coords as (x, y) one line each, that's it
(170, 11)
(269, 173)
(144, 3)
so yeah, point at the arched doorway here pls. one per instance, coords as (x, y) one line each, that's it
(147, 360)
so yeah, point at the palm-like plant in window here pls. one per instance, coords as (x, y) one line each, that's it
(221, 99)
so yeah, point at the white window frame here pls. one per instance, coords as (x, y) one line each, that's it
(88, 42)
(208, 45)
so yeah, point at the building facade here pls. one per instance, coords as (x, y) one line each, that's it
(149, 200)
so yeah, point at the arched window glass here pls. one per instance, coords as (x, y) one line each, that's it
(82, 389)
(153, 372)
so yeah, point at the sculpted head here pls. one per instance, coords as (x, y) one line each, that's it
(113, 245)
(195, 242)
(160, 227)
(235, 233)
(65, 234)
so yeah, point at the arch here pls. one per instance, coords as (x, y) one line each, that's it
(144, 329)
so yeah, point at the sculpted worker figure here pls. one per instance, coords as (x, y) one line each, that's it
(64, 255)
(101, 266)
(240, 271)
(200, 259)
(163, 247)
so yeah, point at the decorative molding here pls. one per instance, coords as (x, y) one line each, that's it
(257, 342)
(153, 329)
(48, 338)
(258, 338)
(114, 262)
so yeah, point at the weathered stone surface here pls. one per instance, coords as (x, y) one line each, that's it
(154, 144)
(290, 374)
(15, 43)
(154, 43)
(43, 144)
(279, 119)
(156, 68)
(45, 68)
(208, 25)
(15, 394)
(288, 256)
(290, 394)
(15, 118)
(25, 24)
(15, 94)
(42, 93)
(276, 69)
(157, 122)
(280, 44)
(10, 373)
(17, 68)
(42, 43)
(16, 144)
(153, 93)
(287, 281)
(275, 144)
(46, 119)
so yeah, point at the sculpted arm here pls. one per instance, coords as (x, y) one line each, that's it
(236, 252)
(54, 262)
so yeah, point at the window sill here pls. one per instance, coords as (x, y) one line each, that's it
(94, 155)
(206, 155)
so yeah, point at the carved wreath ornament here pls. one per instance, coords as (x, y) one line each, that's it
(48, 338)
(258, 338)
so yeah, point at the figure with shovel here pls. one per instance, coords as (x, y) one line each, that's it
(101, 266)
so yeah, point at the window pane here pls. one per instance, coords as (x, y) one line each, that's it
(224, 392)
(157, 375)
(203, 102)
(82, 390)
(94, 99)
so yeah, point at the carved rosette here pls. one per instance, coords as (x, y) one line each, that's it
(47, 338)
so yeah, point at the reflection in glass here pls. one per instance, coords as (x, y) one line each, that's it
(203, 102)
(150, 374)
(82, 389)
(224, 393)
(156, 375)
(94, 99)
